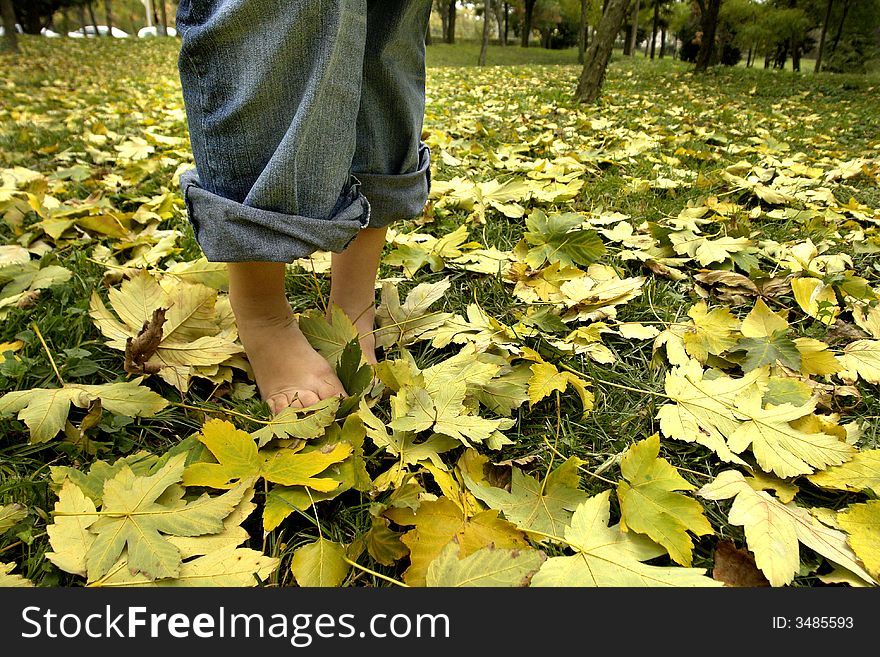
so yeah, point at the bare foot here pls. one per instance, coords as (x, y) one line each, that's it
(288, 371)
(353, 285)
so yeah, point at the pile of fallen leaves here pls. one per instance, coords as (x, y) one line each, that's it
(766, 363)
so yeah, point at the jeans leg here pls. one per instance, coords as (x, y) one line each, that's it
(272, 92)
(391, 162)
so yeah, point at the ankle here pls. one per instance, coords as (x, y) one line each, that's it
(249, 307)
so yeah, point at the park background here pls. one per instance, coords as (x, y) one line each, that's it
(633, 340)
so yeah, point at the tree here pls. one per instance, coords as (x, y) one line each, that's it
(34, 15)
(593, 74)
(10, 38)
(108, 9)
(635, 28)
(484, 46)
(655, 24)
(501, 10)
(822, 35)
(92, 17)
(528, 13)
(163, 19)
(582, 32)
(708, 26)
(451, 13)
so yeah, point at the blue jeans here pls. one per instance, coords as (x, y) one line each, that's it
(305, 119)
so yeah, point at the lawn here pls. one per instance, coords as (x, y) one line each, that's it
(649, 323)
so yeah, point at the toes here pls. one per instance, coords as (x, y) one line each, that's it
(327, 389)
(278, 403)
(304, 399)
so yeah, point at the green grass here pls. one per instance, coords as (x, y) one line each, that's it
(56, 90)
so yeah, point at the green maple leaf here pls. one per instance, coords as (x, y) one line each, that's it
(650, 505)
(354, 373)
(532, 505)
(767, 350)
(765, 340)
(328, 338)
(558, 238)
(133, 518)
(605, 556)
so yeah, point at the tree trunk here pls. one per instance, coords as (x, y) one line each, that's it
(108, 9)
(163, 19)
(593, 74)
(527, 22)
(92, 17)
(822, 35)
(10, 38)
(635, 27)
(81, 11)
(444, 22)
(662, 42)
(840, 27)
(498, 12)
(451, 13)
(506, 21)
(582, 32)
(654, 26)
(708, 25)
(484, 46)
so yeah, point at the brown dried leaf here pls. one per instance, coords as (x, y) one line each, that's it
(736, 567)
(28, 299)
(662, 270)
(736, 289)
(140, 349)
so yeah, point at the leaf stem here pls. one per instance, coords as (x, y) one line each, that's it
(48, 353)
(580, 467)
(374, 573)
(614, 385)
(204, 409)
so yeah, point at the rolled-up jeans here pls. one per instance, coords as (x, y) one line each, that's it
(305, 120)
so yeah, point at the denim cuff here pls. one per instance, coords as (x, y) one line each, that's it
(228, 231)
(395, 197)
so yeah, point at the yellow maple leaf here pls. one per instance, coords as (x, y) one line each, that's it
(713, 331)
(438, 522)
(861, 522)
(774, 530)
(649, 503)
